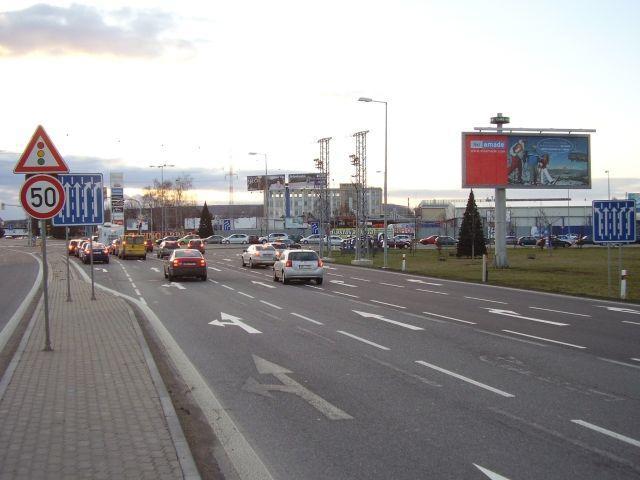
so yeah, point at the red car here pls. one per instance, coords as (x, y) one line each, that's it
(196, 244)
(430, 240)
(148, 243)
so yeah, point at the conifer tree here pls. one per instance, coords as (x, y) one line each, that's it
(206, 228)
(471, 236)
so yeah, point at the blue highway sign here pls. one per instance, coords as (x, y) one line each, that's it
(226, 225)
(614, 221)
(315, 228)
(84, 200)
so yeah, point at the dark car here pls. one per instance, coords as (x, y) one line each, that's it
(254, 240)
(148, 243)
(586, 240)
(555, 242)
(213, 239)
(100, 253)
(290, 243)
(168, 238)
(166, 248)
(446, 241)
(511, 240)
(527, 241)
(196, 244)
(185, 263)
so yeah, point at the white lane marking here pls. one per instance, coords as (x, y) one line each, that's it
(226, 259)
(213, 281)
(335, 274)
(214, 268)
(618, 309)
(544, 339)
(330, 268)
(449, 318)
(466, 379)
(246, 295)
(155, 269)
(341, 283)
(619, 363)
(345, 294)
(313, 286)
(512, 338)
(263, 284)
(139, 260)
(511, 313)
(617, 436)
(392, 285)
(228, 287)
(307, 318)
(361, 279)
(271, 305)
(381, 347)
(489, 473)
(560, 311)
(486, 300)
(635, 359)
(415, 280)
(174, 284)
(383, 319)
(143, 300)
(133, 284)
(137, 291)
(431, 291)
(628, 321)
(389, 304)
(227, 320)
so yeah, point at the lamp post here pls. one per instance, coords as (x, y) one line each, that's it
(608, 185)
(384, 211)
(162, 167)
(266, 192)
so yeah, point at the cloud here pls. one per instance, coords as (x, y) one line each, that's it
(84, 29)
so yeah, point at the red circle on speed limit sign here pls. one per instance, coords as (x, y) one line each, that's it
(42, 196)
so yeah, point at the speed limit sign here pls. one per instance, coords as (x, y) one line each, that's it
(42, 196)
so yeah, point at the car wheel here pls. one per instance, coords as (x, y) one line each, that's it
(251, 265)
(170, 277)
(242, 258)
(306, 242)
(106, 261)
(275, 275)
(165, 274)
(319, 281)
(285, 280)
(203, 278)
(144, 258)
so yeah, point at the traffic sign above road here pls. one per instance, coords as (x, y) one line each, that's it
(40, 156)
(42, 196)
(614, 221)
(85, 201)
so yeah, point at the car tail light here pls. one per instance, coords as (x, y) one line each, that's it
(106, 250)
(257, 254)
(70, 247)
(87, 251)
(289, 263)
(124, 243)
(320, 264)
(176, 263)
(203, 263)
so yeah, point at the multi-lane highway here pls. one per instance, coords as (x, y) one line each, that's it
(380, 375)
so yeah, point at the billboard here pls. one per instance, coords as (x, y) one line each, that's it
(526, 161)
(116, 181)
(300, 181)
(636, 198)
(256, 182)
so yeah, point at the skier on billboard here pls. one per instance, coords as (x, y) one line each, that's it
(517, 154)
(543, 172)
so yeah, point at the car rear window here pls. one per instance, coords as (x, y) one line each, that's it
(303, 256)
(172, 244)
(187, 253)
(135, 240)
(98, 245)
(195, 242)
(265, 247)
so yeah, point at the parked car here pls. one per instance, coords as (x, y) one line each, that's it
(555, 242)
(236, 238)
(527, 241)
(73, 244)
(185, 263)
(273, 237)
(334, 240)
(185, 240)
(166, 248)
(511, 240)
(255, 255)
(279, 247)
(169, 237)
(196, 244)
(289, 243)
(298, 265)
(430, 240)
(400, 241)
(100, 253)
(213, 239)
(446, 241)
(296, 237)
(132, 246)
(314, 238)
(586, 240)
(254, 240)
(148, 243)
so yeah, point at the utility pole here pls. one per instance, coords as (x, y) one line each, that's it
(322, 164)
(361, 180)
(230, 175)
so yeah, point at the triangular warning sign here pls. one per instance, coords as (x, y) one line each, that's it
(40, 156)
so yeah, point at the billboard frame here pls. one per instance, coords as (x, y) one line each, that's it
(506, 133)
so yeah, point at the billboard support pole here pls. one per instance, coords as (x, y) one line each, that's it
(68, 269)
(500, 258)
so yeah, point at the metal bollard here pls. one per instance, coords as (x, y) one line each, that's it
(485, 271)
(623, 284)
(404, 262)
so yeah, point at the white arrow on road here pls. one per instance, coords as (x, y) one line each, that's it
(228, 320)
(618, 309)
(289, 385)
(103, 269)
(340, 282)
(489, 473)
(176, 285)
(414, 280)
(263, 284)
(380, 317)
(155, 269)
(511, 313)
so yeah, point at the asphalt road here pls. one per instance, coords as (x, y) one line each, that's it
(379, 375)
(19, 271)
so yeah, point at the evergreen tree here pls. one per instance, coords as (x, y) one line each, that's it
(206, 228)
(471, 236)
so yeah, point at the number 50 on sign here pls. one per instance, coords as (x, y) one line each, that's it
(42, 196)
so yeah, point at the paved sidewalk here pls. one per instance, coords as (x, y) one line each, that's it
(89, 409)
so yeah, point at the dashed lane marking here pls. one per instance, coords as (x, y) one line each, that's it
(431, 291)
(271, 305)
(449, 318)
(486, 300)
(360, 339)
(307, 318)
(544, 339)
(388, 304)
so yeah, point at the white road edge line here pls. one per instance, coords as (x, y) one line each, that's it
(227, 287)
(214, 268)
(635, 359)
(431, 291)
(361, 279)
(620, 363)
(381, 347)
(629, 321)
(133, 285)
(389, 304)
(313, 286)
(617, 436)
(246, 295)
(307, 318)
(392, 285)
(345, 294)
(271, 305)
(561, 311)
(486, 300)
(545, 339)
(214, 281)
(449, 318)
(465, 379)
(491, 475)
(137, 291)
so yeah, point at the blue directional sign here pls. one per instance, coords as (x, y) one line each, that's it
(614, 221)
(84, 203)
(315, 228)
(226, 225)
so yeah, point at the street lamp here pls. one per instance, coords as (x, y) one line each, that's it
(266, 192)
(162, 167)
(384, 212)
(608, 185)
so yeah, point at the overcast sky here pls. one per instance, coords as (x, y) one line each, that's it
(123, 85)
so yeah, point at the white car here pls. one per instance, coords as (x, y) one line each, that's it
(258, 255)
(315, 238)
(335, 240)
(273, 237)
(298, 265)
(237, 238)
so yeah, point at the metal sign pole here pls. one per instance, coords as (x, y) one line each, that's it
(68, 268)
(609, 268)
(93, 291)
(45, 288)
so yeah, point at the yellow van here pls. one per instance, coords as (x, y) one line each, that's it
(132, 246)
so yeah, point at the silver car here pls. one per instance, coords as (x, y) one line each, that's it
(298, 265)
(236, 238)
(258, 255)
